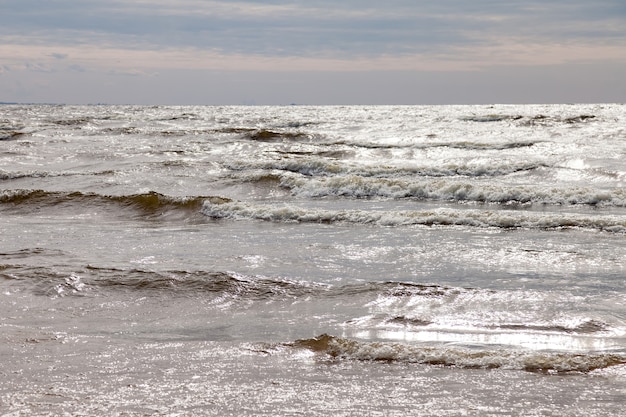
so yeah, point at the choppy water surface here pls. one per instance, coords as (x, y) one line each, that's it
(447, 260)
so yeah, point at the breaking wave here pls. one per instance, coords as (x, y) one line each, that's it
(231, 284)
(508, 219)
(328, 167)
(151, 203)
(93, 280)
(338, 348)
(450, 190)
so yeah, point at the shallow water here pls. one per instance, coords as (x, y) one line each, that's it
(446, 260)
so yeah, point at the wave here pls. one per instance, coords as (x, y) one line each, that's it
(264, 135)
(450, 189)
(150, 203)
(10, 134)
(481, 146)
(491, 118)
(396, 309)
(94, 280)
(328, 167)
(15, 175)
(28, 252)
(6, 175)
(462, 145)
(231, 284)
(74, 121)
(529, 120)
(585, 327)
(10, 130)
(505, 219)
(466, 327)
(337, 348)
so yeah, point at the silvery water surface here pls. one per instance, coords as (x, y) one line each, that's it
(358, 260)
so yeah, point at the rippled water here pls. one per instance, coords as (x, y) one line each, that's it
(411, 260)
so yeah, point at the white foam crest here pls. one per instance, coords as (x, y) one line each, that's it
(452, 189)
(7, 175)
(324, 167)
(441, 216)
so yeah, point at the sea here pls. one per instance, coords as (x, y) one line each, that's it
(461, 260)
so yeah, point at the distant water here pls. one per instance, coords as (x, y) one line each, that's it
(357, 260)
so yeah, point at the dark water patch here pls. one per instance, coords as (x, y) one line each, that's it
(479, 146)
(183, 116)
(579, 119)
(264, 135)
(153, 202)
(463, 145)
(114, 131)
(340, 349)
(183, 132)
(542, 120)
(588, 327)
(336, 154)
(199, 283)
(267, 179)
(29, 252)
(407, 289)
(72, 122)
(251, 287)
(491, 118)
(235, 130)
(332, 154)
(176, 163)
(294, 153)
(469, 145)
(105, 172)
(10, 134)
(150, 204)
(299, 124)
(410, 321)
(16, 175)
(374, 145)
(539, 119)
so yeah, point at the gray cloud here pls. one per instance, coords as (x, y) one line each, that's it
(303, 28)
(57, 55)
(315, 51)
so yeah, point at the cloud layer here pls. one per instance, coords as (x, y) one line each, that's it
(148, 37)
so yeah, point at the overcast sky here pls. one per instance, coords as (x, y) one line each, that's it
(313, 51)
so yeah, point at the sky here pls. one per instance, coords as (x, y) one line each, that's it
(261, 52)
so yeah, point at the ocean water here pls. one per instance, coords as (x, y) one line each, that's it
(356, 260)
